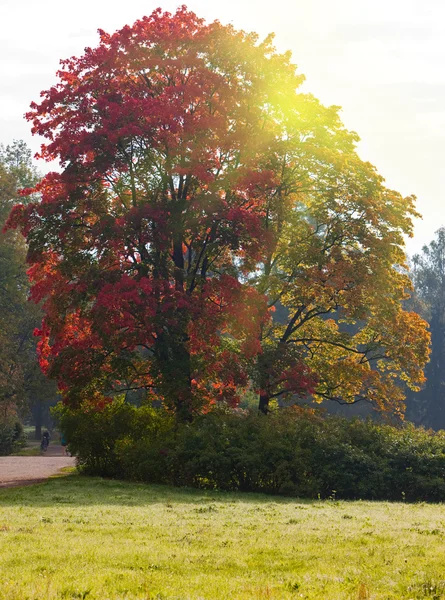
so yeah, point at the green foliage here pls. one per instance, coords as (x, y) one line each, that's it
(20, 384)
(428, 274)
(17, 158)
(12, 437)
(95, 436)
(291, 452)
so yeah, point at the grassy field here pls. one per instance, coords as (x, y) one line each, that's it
(77, 538)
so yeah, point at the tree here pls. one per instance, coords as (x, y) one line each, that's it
(337, 268)
(18, 318)
(17, 160)
(198, 189)
(428, 274)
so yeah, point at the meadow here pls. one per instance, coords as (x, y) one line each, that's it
(76, 537)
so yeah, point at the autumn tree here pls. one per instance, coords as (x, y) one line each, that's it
(134, 243)
(336, 268)
(198, 189)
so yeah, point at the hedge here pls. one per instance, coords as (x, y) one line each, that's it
(293, 452)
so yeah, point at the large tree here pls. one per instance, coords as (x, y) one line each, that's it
(198, 188)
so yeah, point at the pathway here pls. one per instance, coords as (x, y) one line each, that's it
(25, 470)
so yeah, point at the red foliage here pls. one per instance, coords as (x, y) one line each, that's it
(138, 246)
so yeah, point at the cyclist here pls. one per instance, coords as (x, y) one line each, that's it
(45, 441)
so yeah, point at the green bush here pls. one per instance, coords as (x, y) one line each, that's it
(292, 452)
(12, 437)
(94, 436)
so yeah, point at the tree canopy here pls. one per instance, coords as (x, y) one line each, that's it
(428, 274)
(18, 318)
(200, 190)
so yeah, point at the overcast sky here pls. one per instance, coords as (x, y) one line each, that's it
(382, 61)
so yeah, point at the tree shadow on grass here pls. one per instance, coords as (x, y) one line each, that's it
(78, 490)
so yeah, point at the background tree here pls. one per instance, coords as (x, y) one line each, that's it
(13, 285)
(427, 407)
(197, 187)
(15, 330)
(17, 160)
(21, 383)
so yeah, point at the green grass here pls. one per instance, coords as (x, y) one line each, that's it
(29, 451)
(76, 537)
(32, 448)
(29, 430)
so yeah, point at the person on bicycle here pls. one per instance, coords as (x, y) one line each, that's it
(45, 441)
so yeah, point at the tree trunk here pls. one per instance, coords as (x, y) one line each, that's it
(182, 366)
(37, 410)
(173, 358)
(263, 405)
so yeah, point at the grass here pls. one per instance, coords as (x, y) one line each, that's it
(29, 451)
(76, 537)
(29, 431)
(32, 448)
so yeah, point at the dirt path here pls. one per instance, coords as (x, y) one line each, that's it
(25, 470)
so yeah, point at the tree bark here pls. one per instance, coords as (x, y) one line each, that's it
(263, 405)
(174, 366)
(184, 400)
(37, 410)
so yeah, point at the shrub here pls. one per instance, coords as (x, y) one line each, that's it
(12, 437)
(293, 452)
(94, 436)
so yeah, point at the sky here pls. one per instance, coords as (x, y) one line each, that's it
(382, 61)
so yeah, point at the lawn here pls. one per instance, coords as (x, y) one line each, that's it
(76, 537)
